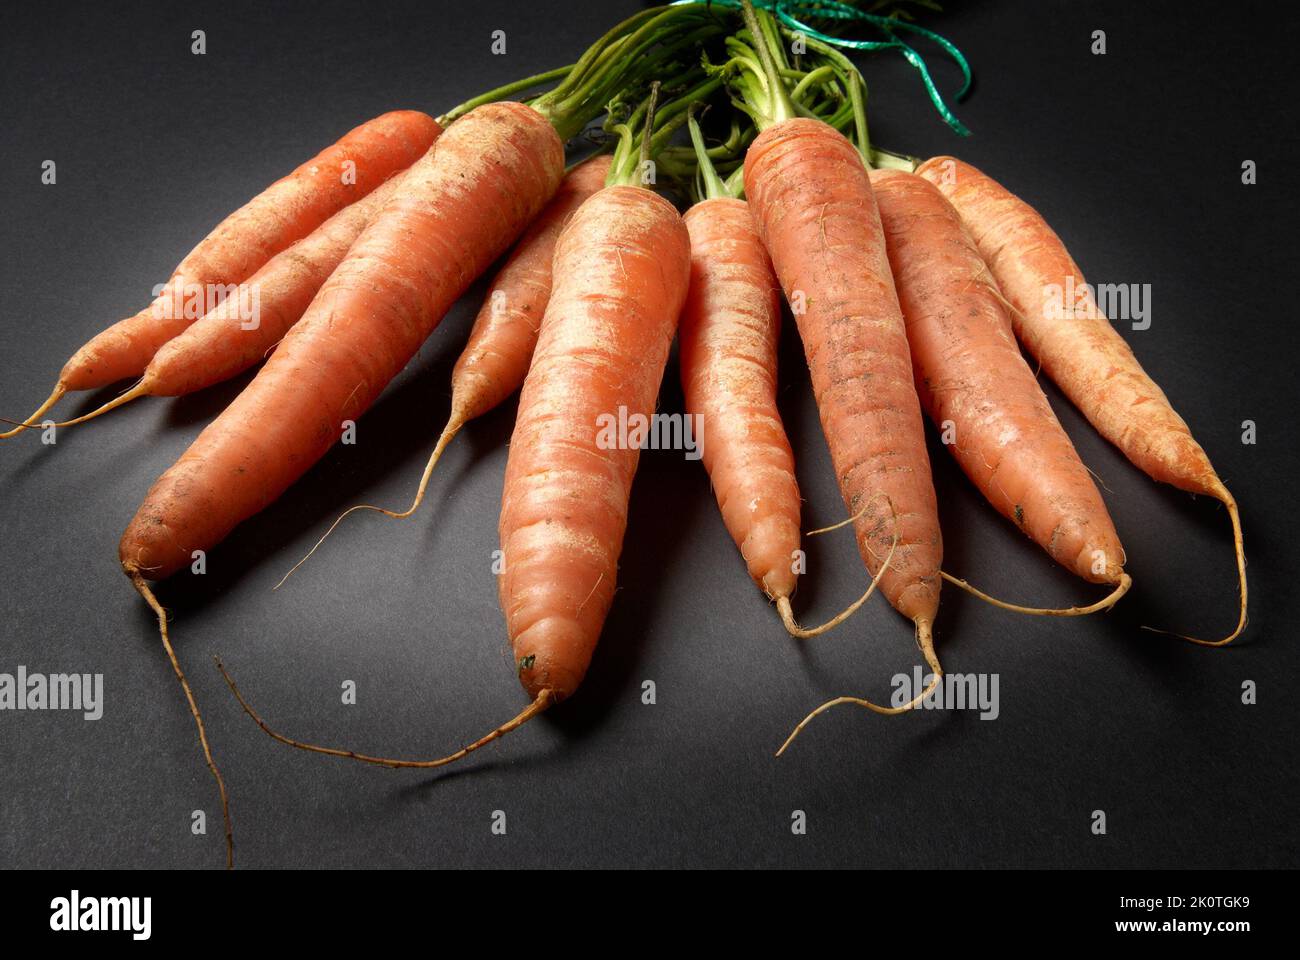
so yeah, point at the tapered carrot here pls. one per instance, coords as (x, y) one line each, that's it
(241, 331)
(970, 375)
(812, 202)
(495, 359)
(622, 270)
(284, 212)
(729, 333)
(1076, 344)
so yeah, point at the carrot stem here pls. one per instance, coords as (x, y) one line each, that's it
(504, 92)
(779, 106)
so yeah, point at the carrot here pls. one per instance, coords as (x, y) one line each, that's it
(284, 212)
(812, 202)
(970, 373)
(729, 332)
(226, 342)
(495, 359)
(456, 210)
(1081, 351)
(621, 272)
(730, 328)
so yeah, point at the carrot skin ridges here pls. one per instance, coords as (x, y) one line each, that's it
(495, 359)
(622, 266)
(811, 198)
(1080, 350)
(456, 211)
(283, 213)
(223, 343)
(970, 373)
(730, 329)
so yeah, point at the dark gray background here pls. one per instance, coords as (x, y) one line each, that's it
(1134, 157)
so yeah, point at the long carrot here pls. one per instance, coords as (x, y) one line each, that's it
(811, 198)
(283, 213)
(455, 211)
(495, 359)
(970, 373)
(240, 331)
(729, 332)
(1078, 347)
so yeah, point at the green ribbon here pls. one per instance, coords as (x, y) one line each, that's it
(789, 11)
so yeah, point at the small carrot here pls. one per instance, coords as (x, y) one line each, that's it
(1077, 345)
(970, 375)
(283, 213)
(812, 201)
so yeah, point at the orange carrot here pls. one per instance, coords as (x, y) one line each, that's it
(970, 374)
(241, 331)
(455, 211)
(622, 268)
(729, 332)
(284, 212)
(1077, 346)
(811, 198)
(495, 359)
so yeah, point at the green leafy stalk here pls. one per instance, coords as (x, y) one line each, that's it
(504, 92)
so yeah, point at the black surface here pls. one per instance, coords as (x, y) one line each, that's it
(1134, 157)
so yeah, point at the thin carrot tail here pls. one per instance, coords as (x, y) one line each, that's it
(783, 603)
(1112, 598)
(448, 432)
(139, 390)
(142, 586)
(924, 640)
(55, 396)
(1230, 502)
(542, 701)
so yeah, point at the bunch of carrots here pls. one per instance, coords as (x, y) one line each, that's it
(914, 287)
